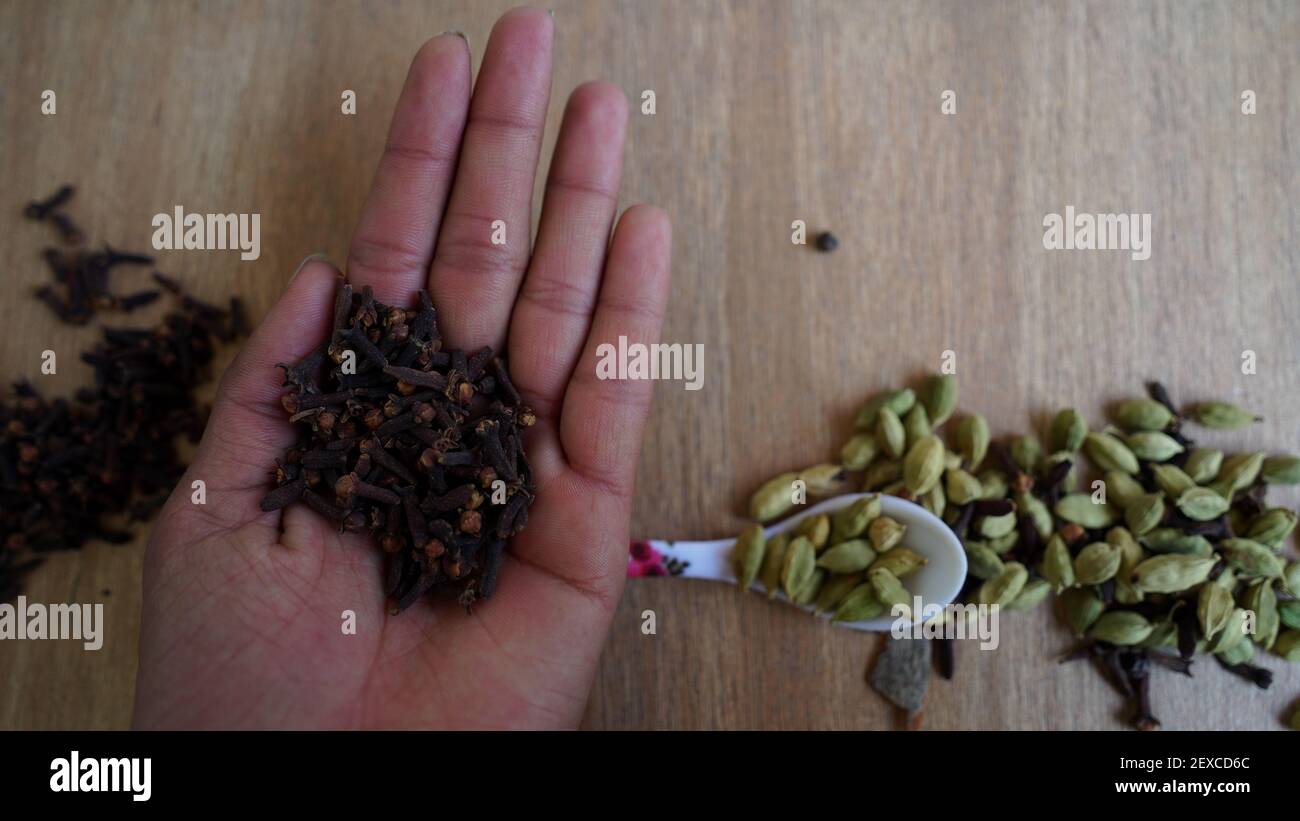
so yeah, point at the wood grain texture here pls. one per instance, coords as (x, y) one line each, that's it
(767, 112)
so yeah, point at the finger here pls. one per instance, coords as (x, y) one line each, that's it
(393, 241)
(247, 429)
(473, 278)
(601, 421)
(553, 314)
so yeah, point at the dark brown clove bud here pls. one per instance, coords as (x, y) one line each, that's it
(350, 485)
(471, 522)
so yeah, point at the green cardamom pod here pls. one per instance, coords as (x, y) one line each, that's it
(973, 440)
(1071, 479)
(773, 562)
(1283, 469)
(1027, 453)
(1131, 555)
(1163, 634)
(1202, 504)
(748, 554)
(1143, 414)
(1239, 653)
(1288, 647)
(1027, 504)
(797, 569)
(1263, 601)
(774, 499)
(1096, 563)
(916, 425)
(1234, 632)
(1203, 464)
(852, 556)
(1002, 545)
(939, 396)
(880, 473)
(889, 589)
(993, 527)
(1058, 567)
(1130, 550)
(981, 561)
(817, 529)
(923, 466)
(885, 533)
(899, 402)
(859, 451)
(826, 479)
(1031, 595)
(1171, 573)
(861, 604)
(808, 593)
(1003, 588)
(1250, 558)
(1272, 526)
(1171, 480)
(1172, 540)
(1109, 453)
(1227, 579)
(1213, 609)
(1223, 416)
(890, 433)
(900, 561)
(851, 522)
(1122, 627)
(1122, 490)
(1291, 578)
(1288, 613)
(1147, 512)
(1082, 608)
(1153, 446)
(1068, 430)
(836, 589)
(935, 500)
(993, 484)
(1239, 472)
(895, 489)
(1081, 510)
(962, 487)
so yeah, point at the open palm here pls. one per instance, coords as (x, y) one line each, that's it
(244, 610)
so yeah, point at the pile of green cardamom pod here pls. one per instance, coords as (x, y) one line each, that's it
(1171, 552)
(850, 563)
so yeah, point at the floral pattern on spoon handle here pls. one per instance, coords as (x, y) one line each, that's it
(654, 558)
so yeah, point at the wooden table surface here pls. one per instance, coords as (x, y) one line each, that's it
(767, 112)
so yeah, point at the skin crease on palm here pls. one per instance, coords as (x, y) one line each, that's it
(243, 612)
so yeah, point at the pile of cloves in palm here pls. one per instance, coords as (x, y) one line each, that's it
(421, 447)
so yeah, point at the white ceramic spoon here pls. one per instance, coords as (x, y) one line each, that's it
(938, 583)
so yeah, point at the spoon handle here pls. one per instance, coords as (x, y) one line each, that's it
(692, 560)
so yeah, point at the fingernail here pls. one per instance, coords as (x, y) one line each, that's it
(319, 256)
(456, 32)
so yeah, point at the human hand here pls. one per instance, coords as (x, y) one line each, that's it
(243, 610)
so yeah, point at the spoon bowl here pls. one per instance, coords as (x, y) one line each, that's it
(937, 583)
